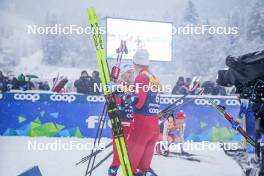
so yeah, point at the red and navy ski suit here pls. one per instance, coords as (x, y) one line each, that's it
(125, 111)
(145, 127)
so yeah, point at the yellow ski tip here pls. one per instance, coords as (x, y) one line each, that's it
(94, 13)
(89, 13)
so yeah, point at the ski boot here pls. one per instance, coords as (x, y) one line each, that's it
(112, 171)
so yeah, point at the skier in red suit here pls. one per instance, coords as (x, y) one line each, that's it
(145, 129)
(125, 110)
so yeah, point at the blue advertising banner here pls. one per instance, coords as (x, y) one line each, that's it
(67, 115)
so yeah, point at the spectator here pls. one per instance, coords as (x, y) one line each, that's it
(208, 87)
(24, 83)
(184, 89)
(13, 82)
(3, 82)
(43, 85)
(218, 90)
(84, 84)
(96, 81)
(178, 84)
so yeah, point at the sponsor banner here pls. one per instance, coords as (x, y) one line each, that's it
(66, 115)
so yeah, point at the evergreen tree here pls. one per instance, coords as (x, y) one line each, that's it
(191, 15)
(256, 22)
(52, 44)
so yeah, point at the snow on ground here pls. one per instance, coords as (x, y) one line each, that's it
(16, 158)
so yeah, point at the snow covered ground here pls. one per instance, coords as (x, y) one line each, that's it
(16, 158)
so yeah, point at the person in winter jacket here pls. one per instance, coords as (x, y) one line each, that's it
(24, 83)
(84, 84)
(3, 82)
(179, 83)
(96, 81)
(144, 131)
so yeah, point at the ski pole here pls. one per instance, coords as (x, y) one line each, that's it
(229, 117)
(197, 80)
(98, 135)
(100, 162)
(84, 159)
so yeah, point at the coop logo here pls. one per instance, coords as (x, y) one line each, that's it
(92, 122)
(65, 98)
(27, 97)
(154, 110)
(95, 99)
(170, 100)
(231, 102)
(200, 101)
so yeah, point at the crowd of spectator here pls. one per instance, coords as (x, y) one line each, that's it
(90, 84)
(182, 87)
(21, 82)
(84, 85)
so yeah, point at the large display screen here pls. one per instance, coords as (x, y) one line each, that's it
(156, 37)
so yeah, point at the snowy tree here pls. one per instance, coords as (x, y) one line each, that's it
(52, 44)
(191, 15)
(208, 36)
(256, 22)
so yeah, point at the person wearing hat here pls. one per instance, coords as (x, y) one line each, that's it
(180, 121)
(84, 84)
(145, 129)
(125, 110)
(24, 82)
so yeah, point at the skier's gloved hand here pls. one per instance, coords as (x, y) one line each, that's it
(238, 120)
(130, 99)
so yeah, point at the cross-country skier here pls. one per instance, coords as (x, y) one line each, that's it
(125, 109)
(145, 129)
(173, 131)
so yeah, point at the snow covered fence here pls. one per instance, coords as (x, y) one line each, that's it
(66, 115)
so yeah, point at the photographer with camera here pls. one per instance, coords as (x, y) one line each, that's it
(246, 73)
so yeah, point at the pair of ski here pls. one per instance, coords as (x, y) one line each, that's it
(110, 106)
(182, 155)
(91, 157)
(231, 120)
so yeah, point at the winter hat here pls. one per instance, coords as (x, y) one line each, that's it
(141, 57)
(180, 115)
(21, 77)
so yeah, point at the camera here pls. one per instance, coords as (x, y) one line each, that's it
(246, 73)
